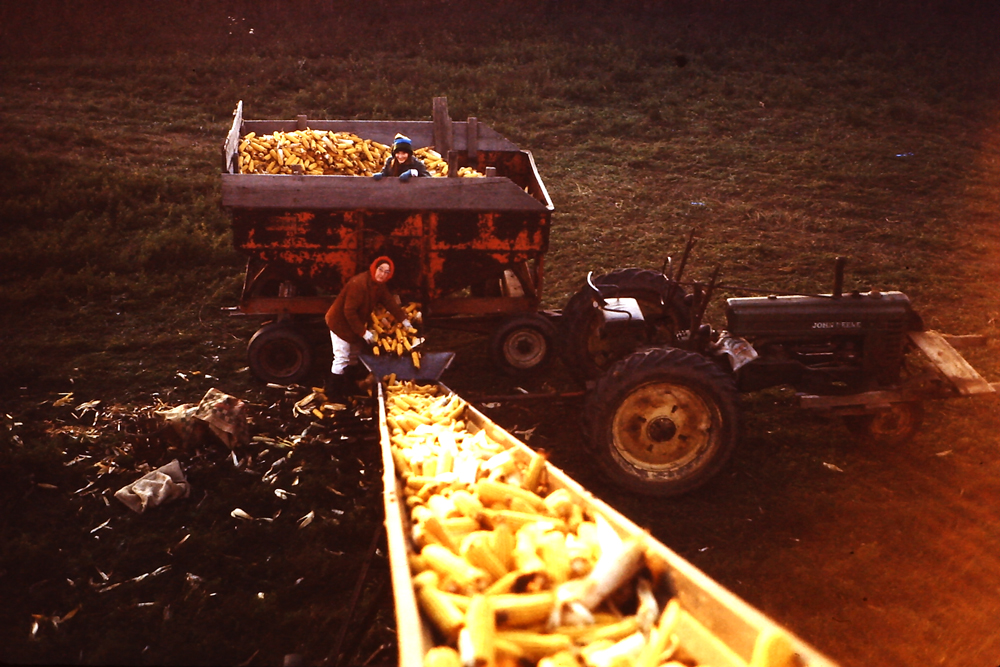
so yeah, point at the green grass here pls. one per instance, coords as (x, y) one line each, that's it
(784, 138)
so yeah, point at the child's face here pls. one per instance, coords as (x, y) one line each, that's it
(402, 156)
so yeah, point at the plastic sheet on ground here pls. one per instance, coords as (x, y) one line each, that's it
(224, 415)
(155, 488)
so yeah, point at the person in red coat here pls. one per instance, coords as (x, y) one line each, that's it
(349, 316)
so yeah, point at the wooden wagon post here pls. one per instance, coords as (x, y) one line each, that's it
(444, 134)
(472, 141)
(444, 138)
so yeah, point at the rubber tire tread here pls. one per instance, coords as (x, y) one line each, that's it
(533, 320)
(647, 365)
(861, 427)
(279, 331)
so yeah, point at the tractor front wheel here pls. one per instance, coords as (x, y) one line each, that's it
(523, 344)
(663, 421)
(891, 426)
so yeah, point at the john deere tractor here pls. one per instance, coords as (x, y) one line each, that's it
(662, 407)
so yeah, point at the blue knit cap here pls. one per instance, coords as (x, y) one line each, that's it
(402, 143)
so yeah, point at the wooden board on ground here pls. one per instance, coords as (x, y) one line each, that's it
(952, 365)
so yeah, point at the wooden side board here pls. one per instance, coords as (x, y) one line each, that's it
(719, 628)
(952, 365)
(413, 635)
(349, 193)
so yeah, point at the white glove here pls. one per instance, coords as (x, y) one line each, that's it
(407, 325)
(369, 336)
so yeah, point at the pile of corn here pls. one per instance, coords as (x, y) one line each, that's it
(510, 573)
(438, 167)
(392, 337)
(320, 152)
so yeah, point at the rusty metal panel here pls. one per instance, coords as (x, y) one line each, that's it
(435, 253)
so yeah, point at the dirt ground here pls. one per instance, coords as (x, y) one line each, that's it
(874, 556)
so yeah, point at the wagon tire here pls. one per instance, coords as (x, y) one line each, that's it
(280, 353)
(663, 421)
(523, 344)
(589, 352)
(892, 426)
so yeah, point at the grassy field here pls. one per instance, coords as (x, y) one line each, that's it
(784, 134)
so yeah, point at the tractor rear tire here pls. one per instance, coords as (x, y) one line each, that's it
(523, 344)
(592, 347)
(892, 426)
(280, 353)
(663, 421)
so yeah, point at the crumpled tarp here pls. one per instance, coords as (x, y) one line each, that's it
(155, 488)
(225, 416)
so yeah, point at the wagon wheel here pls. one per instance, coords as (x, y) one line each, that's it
(891, 426)
(663, 421)
(592, 346)
(279, 353)
(523, 344)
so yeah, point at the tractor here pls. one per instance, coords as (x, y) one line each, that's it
(663, 386)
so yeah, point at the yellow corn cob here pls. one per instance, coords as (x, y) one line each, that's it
(535, 645)
(525, 553)
(440, 610)
(612, 631)
(466, 503)
(433, 526)
(773, 649)
(533, 476)
(497, 492)
(446, 563)
(442, 656)
(519, 610)
(460, 526)
(478, 551)
(503, 545)
(659, 637)
(551, 548)
(480, 624)
(518, 519)
(623, 652)
(560, 659)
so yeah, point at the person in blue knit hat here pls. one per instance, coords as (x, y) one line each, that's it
(402, 164)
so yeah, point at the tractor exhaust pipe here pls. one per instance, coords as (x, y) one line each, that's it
(838, 277)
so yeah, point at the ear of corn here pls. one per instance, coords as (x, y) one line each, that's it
(480, 623)
(442, 656)
(535, 645)
(447, 564)
(441, 611)
(520, 610)
(479, 551)
(773, 649)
